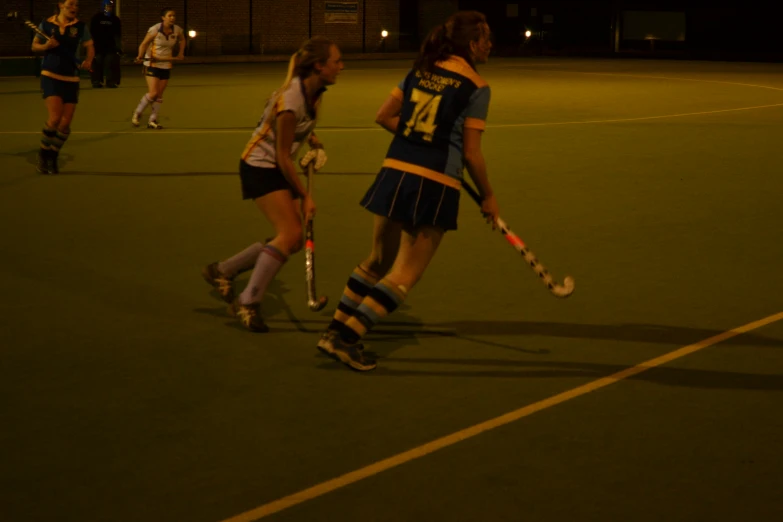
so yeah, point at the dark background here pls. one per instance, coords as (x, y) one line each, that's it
(747, 30)
(720, 29)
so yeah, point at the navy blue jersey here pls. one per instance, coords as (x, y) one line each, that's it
(61, 62)
(436, 108)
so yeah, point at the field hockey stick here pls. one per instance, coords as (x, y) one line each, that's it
(557, 289)
(314, 303)
(15, 16)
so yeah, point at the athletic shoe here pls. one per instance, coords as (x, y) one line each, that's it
(326, 342)
(53, 167)
(154, 125)
(351, 355)
(135, 119)
(43, 161)
(249, 316)
(97, 86)
(111, 85)
(223, 284)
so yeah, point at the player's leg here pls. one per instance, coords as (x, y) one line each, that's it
(63, 131)
(385, 243)
(427, 209)
(282, 210)
(112, 69)
(149, 96)
(417, 248)
(54, 109)
(96, 74)
(220, 274)
(153, 121)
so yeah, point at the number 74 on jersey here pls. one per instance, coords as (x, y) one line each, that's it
(424, 113)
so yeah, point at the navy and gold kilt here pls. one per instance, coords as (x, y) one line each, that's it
(412, 199)
(68, 91)
(259, 181)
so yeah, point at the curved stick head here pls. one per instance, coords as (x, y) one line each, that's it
(319, 304)
(566, 289)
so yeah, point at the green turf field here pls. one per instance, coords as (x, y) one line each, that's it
(130, 395)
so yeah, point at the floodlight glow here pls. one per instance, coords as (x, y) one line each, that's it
(528, 34)
(192, 33)
(384, 33)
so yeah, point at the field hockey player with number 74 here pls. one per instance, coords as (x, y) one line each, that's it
(437, 115)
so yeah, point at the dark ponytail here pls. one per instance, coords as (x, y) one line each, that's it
(452, 38)
(432, 50)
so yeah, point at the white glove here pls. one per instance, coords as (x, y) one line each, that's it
(316, 155)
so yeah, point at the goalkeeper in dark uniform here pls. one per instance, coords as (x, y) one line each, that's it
(106, 31)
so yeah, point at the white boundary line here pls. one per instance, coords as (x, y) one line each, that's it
(467, 433)
(631, 75)
(491, 126)
(367, 129)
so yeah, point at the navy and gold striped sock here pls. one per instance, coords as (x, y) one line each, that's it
(59, 140)
(48, 138)
(359, 285)
(383, 299)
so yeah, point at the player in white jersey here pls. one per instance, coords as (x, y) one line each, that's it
(269, 177)
(157, 53)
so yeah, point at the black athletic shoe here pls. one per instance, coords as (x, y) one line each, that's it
(97, 86)
(351, 355)
(53, 167)
(326, 343)
(249, 316)
(223, 284)
(43, 162)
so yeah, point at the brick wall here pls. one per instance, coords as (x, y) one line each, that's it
(226, 27)
(15, 39)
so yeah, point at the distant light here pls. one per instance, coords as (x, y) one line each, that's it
(192, 33)
(384, 33)
(528, 34)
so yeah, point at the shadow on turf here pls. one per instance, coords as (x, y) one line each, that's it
(31, 157)
(640, 333)
(406, 329)
(392, 338)
(668, 376)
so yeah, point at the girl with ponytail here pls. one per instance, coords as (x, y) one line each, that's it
(437, 114)
(268, 177)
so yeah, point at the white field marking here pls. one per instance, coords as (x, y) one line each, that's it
(491, 126)
(662, 78)
(449, 440)
(366, 129)
(547, 124)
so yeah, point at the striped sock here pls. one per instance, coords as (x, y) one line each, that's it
(383, 299)
(59, 140)
(47, 140)
(359, 285)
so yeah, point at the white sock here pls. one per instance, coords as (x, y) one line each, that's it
(155, 109)
(143, 104)
(245, 260)
(269, 262)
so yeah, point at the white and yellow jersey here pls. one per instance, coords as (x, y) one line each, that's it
(162, 46)
(260, 151)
